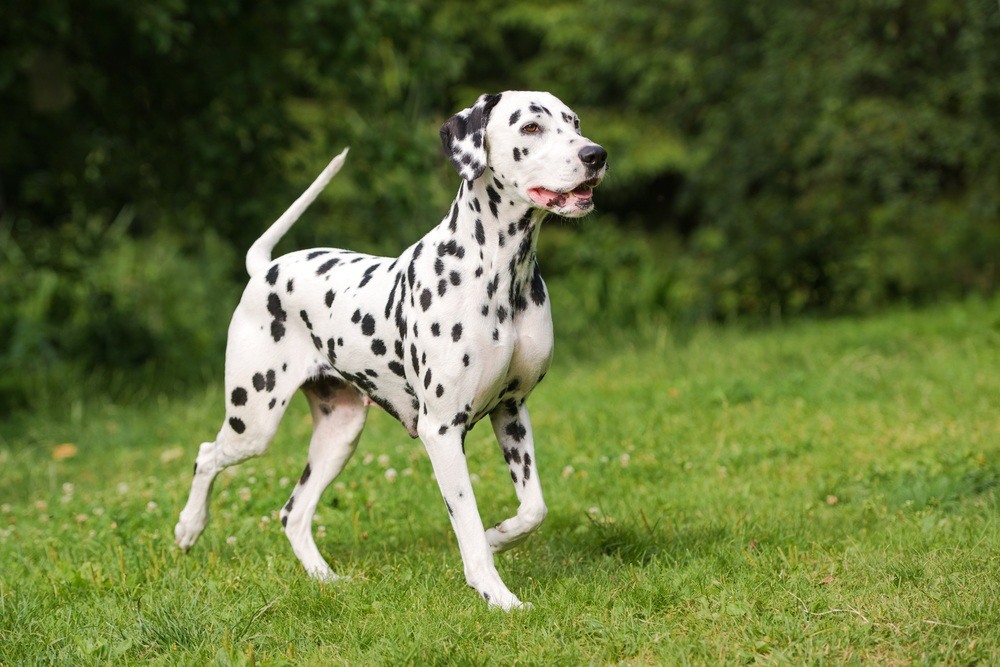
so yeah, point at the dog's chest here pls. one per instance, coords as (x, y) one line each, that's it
(486, 305)
(517, 356)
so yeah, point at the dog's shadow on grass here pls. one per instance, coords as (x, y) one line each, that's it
(632, 541)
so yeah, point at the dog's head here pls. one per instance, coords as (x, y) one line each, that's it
(531, 142)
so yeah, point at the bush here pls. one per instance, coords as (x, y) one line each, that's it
(845, 165)
(605, 278)
(90, 306)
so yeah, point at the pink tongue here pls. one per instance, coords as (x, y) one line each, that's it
(548, 198)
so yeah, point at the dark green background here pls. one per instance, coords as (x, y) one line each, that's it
(767, 159)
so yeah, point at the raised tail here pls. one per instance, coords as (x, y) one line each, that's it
(259, 255)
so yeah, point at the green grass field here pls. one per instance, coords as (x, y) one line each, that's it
(819, 493)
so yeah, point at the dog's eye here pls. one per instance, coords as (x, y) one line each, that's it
(576, 124)
(531, 128)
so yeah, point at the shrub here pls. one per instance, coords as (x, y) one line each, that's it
(89, 304)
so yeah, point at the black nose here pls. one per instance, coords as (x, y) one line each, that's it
(593, 156)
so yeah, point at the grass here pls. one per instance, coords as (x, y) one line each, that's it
(821, 493)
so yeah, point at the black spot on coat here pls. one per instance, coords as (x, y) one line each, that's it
(279, 315)
(272, 275)
(239, 396)
(368, 275)
(327, 265)
(537, 287)
(516, 431)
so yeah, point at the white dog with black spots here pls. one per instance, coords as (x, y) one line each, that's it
(457, 328)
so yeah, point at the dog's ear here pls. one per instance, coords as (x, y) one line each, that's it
(464, 137)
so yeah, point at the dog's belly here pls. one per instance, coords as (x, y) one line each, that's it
(376, 366)
(344, 303)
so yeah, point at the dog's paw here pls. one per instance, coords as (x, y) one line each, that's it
(186, 533)
(325, 575)
(500, 540)
(498, 596)
(505, 601)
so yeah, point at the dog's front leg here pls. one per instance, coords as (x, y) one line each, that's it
(445, 447)
(512, 427)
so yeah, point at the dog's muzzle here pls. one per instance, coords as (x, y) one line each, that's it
(578, 199)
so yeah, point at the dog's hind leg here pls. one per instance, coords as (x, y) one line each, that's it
(339, 413)
(257, 398)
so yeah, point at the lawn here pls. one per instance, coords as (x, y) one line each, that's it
(815, 493)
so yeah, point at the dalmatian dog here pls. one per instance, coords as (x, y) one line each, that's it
(455, 329)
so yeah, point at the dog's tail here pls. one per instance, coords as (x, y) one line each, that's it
(259, 255)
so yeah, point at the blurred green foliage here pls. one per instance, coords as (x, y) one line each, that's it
(766, 160)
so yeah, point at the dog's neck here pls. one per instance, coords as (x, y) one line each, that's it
(486, 219)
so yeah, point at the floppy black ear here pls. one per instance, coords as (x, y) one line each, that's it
(464, 137)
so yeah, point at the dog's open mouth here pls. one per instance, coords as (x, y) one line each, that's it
(580, 196)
